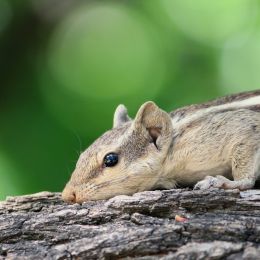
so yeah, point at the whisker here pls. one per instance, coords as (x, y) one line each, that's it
(79, 141)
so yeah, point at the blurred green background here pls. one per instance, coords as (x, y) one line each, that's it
(66, 64)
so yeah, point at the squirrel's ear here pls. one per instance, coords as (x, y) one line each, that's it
(156, 121)
(120, 116)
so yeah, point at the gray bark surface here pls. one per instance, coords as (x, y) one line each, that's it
(220, 225)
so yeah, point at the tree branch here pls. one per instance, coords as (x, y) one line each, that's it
(220, 224)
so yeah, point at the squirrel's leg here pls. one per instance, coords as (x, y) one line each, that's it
(245, 170)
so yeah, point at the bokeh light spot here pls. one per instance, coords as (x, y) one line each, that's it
(239, 67)
(105, 52)
(212, 22)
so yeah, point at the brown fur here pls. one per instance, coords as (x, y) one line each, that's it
(157, 150)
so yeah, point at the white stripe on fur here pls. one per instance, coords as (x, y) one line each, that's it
(201, 112)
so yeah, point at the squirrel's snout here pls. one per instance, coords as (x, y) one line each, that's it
(69, 195)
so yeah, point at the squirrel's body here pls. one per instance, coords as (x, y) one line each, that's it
(216, 144)
(209, 137)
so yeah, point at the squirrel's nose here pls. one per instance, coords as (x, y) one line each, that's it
(68, 195)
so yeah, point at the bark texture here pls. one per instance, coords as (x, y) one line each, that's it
(220, 225)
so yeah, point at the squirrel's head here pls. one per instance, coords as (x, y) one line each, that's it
(124, 160)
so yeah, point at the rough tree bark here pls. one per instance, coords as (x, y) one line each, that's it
(220, 225)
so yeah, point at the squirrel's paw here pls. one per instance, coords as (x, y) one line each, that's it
(211, 182)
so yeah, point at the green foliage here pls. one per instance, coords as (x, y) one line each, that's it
(66, 66)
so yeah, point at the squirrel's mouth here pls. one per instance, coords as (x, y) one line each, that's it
(77, 194)
(70, 195)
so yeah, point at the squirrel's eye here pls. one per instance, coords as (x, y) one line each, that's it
(111, 159)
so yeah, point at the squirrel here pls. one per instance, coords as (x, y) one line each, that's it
(210, 145)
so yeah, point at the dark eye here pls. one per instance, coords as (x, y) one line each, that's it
(111, 159)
